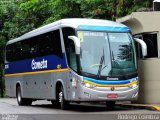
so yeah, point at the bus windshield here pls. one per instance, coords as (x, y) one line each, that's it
(107, 54)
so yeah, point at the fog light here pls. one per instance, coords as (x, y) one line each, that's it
(135, 95)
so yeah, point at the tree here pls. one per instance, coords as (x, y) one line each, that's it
(21, 16)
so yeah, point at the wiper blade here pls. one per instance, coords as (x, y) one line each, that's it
(101, 63)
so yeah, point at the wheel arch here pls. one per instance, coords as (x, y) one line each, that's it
(58, 85)
(18, 84)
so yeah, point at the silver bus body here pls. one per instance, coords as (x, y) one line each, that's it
(39, 77)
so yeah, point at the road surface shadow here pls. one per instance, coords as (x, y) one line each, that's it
(86, 108)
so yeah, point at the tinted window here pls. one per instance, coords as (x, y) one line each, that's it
(152, 46)
(9, 52)
(151, 42)
(69, 47)
(42, 45)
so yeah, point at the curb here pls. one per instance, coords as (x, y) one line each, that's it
(141, 106)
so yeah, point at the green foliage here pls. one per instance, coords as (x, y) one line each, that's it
(63, 9)
(21, 16)
(34, 11)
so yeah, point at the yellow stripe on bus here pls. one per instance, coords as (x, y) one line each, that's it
(112, 85)
(37, 72)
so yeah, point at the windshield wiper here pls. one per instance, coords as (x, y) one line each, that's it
(101, 63)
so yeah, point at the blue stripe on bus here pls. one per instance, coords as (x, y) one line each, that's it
(109, 82)
(104, 28)
(26, 65)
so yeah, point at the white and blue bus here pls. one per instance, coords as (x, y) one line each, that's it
(73, 60)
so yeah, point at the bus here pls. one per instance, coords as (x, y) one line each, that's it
(73, 60)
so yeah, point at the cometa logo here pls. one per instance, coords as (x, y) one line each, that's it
(39, 64)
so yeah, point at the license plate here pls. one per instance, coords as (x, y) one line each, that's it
(112, 95)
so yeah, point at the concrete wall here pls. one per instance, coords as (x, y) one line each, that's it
(148, 69)
(140, 22)
(149, 74)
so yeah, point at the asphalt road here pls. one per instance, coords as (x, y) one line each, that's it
(43, 110)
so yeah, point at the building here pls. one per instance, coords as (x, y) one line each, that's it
(146, 26)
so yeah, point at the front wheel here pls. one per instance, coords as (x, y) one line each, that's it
(22, 101)
(110, 104)
(55, 103)
(63, 103)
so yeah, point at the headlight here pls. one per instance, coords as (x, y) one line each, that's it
(134, 85)
(88, 85)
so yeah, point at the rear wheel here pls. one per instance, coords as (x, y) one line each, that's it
(22, 101)
(63, 103)
(110, 104)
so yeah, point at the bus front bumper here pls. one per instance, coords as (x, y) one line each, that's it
(91, 94)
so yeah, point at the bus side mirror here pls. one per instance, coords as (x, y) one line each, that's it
(143, 46)
(76, 43)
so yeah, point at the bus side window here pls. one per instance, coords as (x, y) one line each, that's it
(33, 43)
(69, 47)
(25, 49)
(43, 48)
(56, 42)
(73, 63)
(38, 46)
(50, 44)
(10, 53)
(18, 54)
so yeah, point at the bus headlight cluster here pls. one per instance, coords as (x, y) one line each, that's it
(88, 85)
(134, 85)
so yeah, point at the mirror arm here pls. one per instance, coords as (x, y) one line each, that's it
(77, 51)
(143, 46)
(76, 43)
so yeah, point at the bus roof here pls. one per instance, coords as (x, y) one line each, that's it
(77, 23)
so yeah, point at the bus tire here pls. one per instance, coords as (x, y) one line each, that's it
(55, 103)
(22, 101)
(110, 104)
(63, 103)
